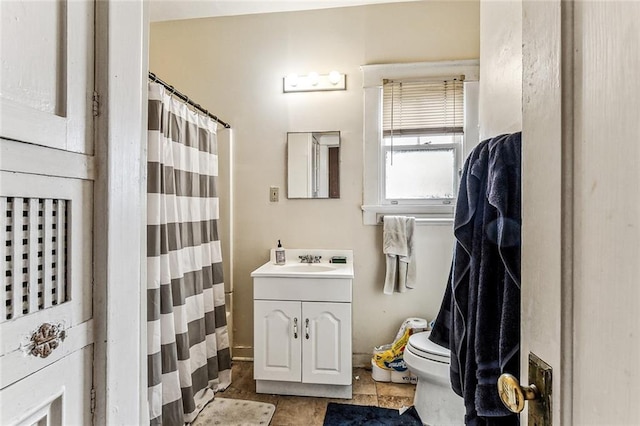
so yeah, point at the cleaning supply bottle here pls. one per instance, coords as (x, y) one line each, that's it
(280, 256)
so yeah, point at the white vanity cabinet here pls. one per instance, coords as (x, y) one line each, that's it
(302, 335)
(308, 342)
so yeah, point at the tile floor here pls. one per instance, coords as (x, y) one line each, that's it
(308, 411)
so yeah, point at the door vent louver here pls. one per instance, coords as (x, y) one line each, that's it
(33, 255)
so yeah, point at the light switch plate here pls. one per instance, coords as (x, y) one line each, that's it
(274, 194)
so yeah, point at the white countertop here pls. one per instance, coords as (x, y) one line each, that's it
(292, 267)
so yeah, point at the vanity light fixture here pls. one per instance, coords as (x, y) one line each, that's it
(314, 82)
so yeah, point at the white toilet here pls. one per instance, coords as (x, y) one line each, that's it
(434, 400)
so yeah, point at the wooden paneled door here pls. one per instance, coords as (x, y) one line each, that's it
(47, 176)
(581, 206)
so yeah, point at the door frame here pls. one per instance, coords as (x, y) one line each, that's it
(547, 196)
(121, 52)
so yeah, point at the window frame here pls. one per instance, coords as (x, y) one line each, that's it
(374, 203)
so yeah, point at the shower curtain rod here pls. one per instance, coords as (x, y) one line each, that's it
(186, 99)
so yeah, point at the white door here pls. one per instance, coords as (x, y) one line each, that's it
(47, 176)
(581, 206)
(277, 336)
(326, 347)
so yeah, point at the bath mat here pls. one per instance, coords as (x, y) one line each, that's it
(235, 412)
(351, 415)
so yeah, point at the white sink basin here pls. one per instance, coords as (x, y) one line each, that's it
(308, 267)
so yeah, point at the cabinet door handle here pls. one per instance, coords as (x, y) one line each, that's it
(306, 328)
(295, 328)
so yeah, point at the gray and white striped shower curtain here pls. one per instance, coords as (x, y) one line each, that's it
(188, 344)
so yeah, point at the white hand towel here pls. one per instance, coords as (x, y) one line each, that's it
(394, 237)
(398, 247)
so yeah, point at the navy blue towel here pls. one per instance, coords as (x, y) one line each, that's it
(479, 319)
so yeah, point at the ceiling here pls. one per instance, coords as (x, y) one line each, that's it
(169, 10)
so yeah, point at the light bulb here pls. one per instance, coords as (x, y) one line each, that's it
(292, 80)
(314, 78)
(334, 77)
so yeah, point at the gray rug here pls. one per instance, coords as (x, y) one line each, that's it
(235, 412)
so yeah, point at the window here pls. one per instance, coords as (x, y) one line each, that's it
(420, 120)
(422, 133)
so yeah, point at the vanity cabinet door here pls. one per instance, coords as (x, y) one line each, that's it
(326, 343)
(277, 336)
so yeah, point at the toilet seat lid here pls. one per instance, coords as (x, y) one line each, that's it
(422, 346)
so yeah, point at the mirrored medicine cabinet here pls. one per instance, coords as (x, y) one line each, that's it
(313, 164)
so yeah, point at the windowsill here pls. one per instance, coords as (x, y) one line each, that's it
(431, 215)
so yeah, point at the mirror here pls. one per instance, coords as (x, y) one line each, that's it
(313, 164)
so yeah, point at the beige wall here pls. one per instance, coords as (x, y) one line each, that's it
(500, 67)
(234, 67)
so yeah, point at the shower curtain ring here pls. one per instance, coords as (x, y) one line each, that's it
(198, 106)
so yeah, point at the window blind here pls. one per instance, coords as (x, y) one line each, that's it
(422, 107)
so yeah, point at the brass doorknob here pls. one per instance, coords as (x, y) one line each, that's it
(513, 395)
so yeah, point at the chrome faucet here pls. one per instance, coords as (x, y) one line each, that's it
(307, 258)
